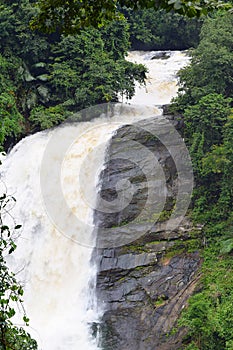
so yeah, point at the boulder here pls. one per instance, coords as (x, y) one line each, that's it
(161, 55)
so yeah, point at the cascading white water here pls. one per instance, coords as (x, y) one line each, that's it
(56, 270)
(161, 83)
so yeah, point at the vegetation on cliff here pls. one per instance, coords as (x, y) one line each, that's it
(205, 101)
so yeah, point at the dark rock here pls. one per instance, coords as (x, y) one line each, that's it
(166, 111)
(109, 253)
(141, 310)
(39, 68)
(143, 283)
(161, 55)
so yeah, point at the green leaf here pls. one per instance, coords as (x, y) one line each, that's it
(4, 228)
(20, 291)
(226, 246)
(26, 319)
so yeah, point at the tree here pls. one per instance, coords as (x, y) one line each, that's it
(10, 118)
(11, 292)
(207, 118)
(88, 69)
(159, 30)
(220, 161)
(16, 37)
(73, 15)
(44, 78)
(211, 67)
(208, 317)
(204, 100)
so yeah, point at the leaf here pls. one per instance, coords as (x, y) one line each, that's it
(26, 319)
(226, 246)
(18, 227)
(20, 291)
(13, 247)
(5, 228)
(177, 5)
(11, 312)
(14, 298)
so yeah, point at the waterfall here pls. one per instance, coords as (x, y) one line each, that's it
(161, 83)
(54, 261)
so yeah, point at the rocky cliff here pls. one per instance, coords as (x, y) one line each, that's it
(145, 279)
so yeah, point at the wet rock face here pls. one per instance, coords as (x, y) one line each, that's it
(161, 55)
(142, 303)
(143, 284)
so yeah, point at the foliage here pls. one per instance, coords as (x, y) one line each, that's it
(11, 292)
(211, 67)
(45, 77)
(226, 246)
(206, 118)
(213, 162)
(16, 38)
(116, 38)
(71, 16)
(45, 118)
(159, 30)
(10, 117)
(84, 74)
(209, 314)
(205, 101)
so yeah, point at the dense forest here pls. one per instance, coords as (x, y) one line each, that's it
(205, 102)
(44, 78)
(161, 30)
